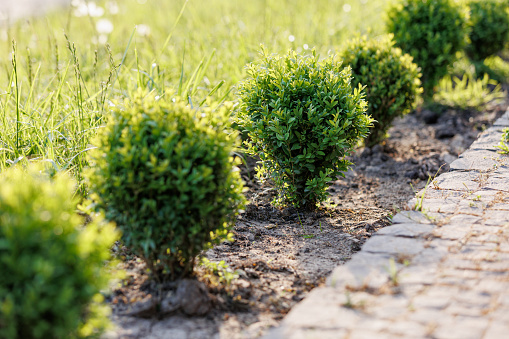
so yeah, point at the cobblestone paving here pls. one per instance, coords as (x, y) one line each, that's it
(441, 272)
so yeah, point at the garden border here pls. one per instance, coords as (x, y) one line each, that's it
(441, 270)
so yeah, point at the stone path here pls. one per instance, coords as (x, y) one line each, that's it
(440, 271)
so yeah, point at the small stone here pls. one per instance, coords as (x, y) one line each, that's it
(192, 297)
(251, 273)
(242, 283)
(143, 309)
(445, 132)
(376, 149)
(242, 274)
(429, 117)
(448, 158)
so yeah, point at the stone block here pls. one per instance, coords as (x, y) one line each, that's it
(488, 140)
(368, 334)
(417, 274)
(432, 302)
(453, 232)
(461, 328)
(324, 309)
(471, 207)
(406, 230)
(496, 218)
(364, 270)
(447, 195)
(501, 122)
(500, 207)
(497, 330)
(457, 181)
(477, 160)
(393, 245)
(408, 329)
(284, 332)
(389, 307)
(464, 219)
(498, 183)
(410, 217)
(428, 257)
(440, 205)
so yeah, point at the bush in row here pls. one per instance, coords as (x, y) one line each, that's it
(303, 118)
(431, 31)
(51, 269)
(164, 173)
(391, 80)
(490, 28)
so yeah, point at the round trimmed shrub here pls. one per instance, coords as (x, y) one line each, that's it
(431, 31)
(164, 173)
(303, 118)
(51, 268)
(391, 80)
(490, 28)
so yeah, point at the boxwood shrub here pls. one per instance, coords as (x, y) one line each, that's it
(303, 118)
(164, 173)
(391, 80)
(431, 31)
(490, 28)
(51, 268)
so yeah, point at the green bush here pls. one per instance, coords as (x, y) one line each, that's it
(391, 80)
(51, 269)
(490, 28)
(303, 118)
(431, 32)
(164, 173)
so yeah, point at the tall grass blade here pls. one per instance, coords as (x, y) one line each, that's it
(167, 41)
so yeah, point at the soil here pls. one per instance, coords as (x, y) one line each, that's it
(280, 255)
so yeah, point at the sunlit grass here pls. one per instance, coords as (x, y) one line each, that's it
(469, 92)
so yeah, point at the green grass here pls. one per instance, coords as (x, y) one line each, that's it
(469, 92)
(61, 73)
(504, 142)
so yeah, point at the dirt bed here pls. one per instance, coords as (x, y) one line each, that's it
(280, 255)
